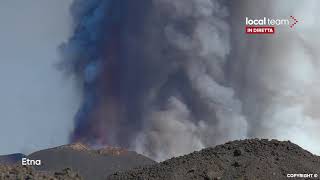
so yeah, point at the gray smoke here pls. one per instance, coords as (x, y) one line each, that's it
(277, 77)
(199, 109)
(153, 74)
(166, 77)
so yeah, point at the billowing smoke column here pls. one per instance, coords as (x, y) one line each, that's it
(163, 76)
(153, 75)
(277, 77)
(93, 53)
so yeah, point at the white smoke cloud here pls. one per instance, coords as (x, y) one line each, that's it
(189, 76)
(170, 132)
(278, 76)
(205, 45)
(275, 77)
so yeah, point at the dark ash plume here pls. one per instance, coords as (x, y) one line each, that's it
(162, 77)
(153, 75)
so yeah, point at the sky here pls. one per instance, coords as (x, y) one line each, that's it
(37, 101)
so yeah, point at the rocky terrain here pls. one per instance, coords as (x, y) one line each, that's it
(92, 164)
(11, 158)
(28, 173)
(244, 160)
(252, 159)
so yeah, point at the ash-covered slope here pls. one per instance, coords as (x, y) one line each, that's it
(11, 158)
(90, 164)
(246, 159)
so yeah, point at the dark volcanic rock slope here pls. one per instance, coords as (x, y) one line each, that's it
(248, 159)
(11, 158)
(90, 164)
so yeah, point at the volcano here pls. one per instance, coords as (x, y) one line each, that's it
(245, 160)
(11, 158)
(89, 163)
(259, 159)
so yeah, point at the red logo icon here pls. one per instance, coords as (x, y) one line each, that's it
(295, 21)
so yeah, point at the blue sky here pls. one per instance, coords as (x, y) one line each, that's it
(37, 102)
